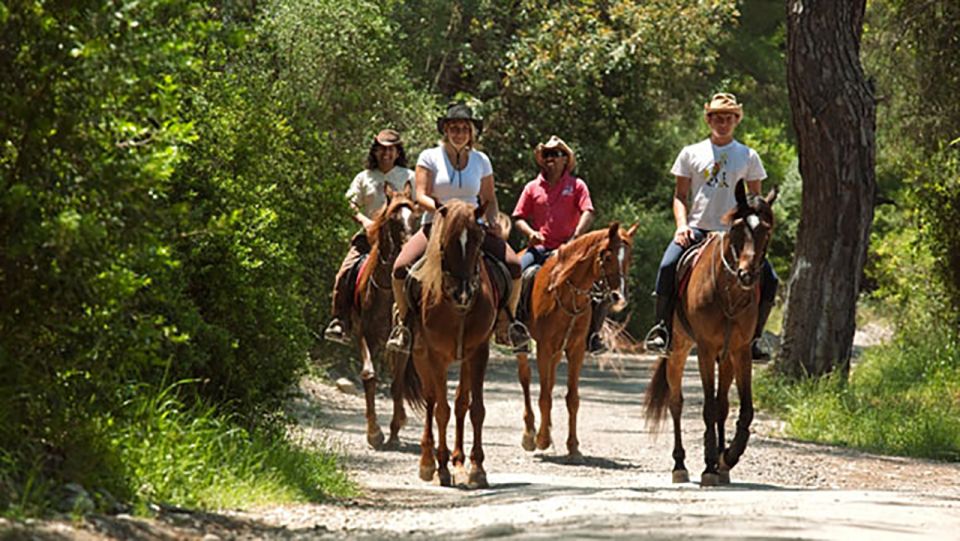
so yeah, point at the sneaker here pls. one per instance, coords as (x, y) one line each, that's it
(399, 340)
(757, 353)
(657, 340)
(335, 332)
(595, 345)
(519, 335)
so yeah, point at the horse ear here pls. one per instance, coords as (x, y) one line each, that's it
(633, 229)
(772, 195)
(741, 193)
(407, 189)
(480, 210)
(442, 210)
(614, 231)
(389, 192)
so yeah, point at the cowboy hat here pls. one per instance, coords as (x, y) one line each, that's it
(388, 138)
(722, 102)
(459, 111)
(555, 143)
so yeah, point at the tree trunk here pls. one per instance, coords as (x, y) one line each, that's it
(834, 114)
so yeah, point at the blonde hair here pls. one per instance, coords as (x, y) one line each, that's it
(472, 144)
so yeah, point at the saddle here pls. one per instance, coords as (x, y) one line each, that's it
(687, 261)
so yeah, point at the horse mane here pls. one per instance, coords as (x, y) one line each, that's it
(458, 216)
(574, 251)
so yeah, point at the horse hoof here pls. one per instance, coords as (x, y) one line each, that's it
(393, 444)
(375, 439)
(544, 442)
(724, 477)
(426, 472)
(528, 443)
(681, 476)
(477, 479)
(460, 477)
(710, 479)
(576, 458)
(444, 478)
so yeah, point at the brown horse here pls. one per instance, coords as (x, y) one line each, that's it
(392, 226)
(560, 318)
(717, 312)
(454, 322)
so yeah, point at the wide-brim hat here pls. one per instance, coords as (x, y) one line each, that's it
(555, 143)
(460, 111)
(723, 102)
(388, 138)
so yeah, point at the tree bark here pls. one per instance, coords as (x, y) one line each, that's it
(834, 114)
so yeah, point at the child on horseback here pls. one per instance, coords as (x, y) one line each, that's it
(454, 169)
(706, 175)
(386, 164)
(554, 208)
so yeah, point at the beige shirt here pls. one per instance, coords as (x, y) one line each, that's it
(366, 191)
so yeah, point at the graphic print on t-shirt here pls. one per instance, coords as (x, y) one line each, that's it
(717, 175)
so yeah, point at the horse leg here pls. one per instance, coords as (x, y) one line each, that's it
(461, 403)
(547, 369)
(675, 366)
(707, 360)
(724, 379)
(478, 476)
(529, 430)
(574, 365)
(399, 414)
(369, 377)
(428, 466)
(743, 371)
(443, 419)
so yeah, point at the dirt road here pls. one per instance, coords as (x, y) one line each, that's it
(780, 490)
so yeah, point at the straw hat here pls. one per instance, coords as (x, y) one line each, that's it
(388, 138)
(555, 143)
(723, 102)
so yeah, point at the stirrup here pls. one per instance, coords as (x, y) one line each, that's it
(335, 332)
(596, 345)
(519, 335)
(399, 340)
(756, 353)
(657, 340)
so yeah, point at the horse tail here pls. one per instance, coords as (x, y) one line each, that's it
(658, 392)
(405, 374)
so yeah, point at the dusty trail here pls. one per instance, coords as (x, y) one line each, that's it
(780, 490)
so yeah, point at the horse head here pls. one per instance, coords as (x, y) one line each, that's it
(460, 239)
(397, 222)
(613, 262)
(751, 225)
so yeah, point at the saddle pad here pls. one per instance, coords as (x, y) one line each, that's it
(355, 274)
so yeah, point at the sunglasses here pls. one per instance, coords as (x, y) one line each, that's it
(554, 153)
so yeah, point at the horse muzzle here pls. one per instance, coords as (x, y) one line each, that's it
(747, 278)
(618, 300)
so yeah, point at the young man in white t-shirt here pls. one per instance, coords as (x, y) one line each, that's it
(706, 174)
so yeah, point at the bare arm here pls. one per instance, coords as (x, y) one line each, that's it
(753, 186)
(533, 237)
(684, 235)
(584, 224)
(488, 195)
(424, 179)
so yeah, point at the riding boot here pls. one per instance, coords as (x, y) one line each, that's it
(400, 339)
(338, 330)
(518, 332)
(658, 340)
(764, 313)
(595, 344)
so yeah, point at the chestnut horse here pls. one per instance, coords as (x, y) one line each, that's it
(717, 312)
(455, 319)
(560, 319)
(392, 226)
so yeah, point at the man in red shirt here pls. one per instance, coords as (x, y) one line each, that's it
(553, 208)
